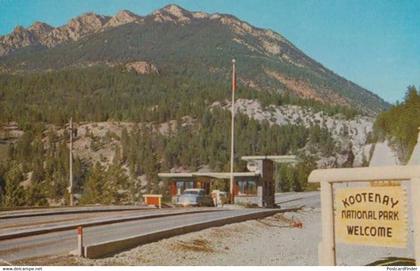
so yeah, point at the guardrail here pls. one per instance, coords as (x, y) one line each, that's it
(73, 211)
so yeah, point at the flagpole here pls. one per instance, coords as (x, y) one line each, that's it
(71, 163)
(232, 131)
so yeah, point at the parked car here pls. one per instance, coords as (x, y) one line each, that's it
(194, 197)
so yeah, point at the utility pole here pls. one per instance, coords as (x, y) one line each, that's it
(71, 163)
(232, 131)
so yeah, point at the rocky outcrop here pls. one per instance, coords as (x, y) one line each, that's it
(40, 30)
(142, 67)
(20, 37)
(345, 132)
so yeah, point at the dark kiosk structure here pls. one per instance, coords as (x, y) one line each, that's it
(254, 187)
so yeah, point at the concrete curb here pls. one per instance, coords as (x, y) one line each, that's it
(73, 212)
(103, 249)
(26, 233)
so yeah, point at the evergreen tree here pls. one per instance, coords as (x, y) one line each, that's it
(14, 192)
(400, 123)
(93, 187)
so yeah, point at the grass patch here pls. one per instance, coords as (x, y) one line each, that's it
(3, 151)
(196, 245)
(61, 260)
(394, 261)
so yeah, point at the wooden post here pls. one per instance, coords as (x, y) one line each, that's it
(326, 249)
(415, 207)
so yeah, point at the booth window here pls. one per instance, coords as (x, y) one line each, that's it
(247, 187)
(182, 185)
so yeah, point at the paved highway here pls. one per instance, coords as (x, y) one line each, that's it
(297, 199)
(63, 242)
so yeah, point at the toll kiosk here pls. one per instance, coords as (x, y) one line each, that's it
(253, 187)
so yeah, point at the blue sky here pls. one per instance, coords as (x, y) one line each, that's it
(374, 43)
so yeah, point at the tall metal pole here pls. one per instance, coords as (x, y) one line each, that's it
(232, 133)
(71, 163)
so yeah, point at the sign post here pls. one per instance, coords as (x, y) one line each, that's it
(415, 202)
(326, 249)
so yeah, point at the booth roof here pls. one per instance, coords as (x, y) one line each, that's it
(217, 175)
(274, 158)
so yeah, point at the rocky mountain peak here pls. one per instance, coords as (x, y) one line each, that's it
(126, 15)
(20, 37)
(88, 22)
(18, 29)
(75, 29)
(40, 27)
(123, 17)
(181, 13)
(172, 13)
(40, 30)
(175, 10)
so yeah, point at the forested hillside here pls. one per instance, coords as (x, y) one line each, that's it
(103, 93)
(43, 103)
(400, 124)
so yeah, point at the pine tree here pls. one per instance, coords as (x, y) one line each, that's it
(14, 192)
(350, 156)
(93, 187)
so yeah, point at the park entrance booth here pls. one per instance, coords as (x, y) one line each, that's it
(254, 187)
(245, 182)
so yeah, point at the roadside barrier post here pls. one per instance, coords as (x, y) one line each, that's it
(80, 241)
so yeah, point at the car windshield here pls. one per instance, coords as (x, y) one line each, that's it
(191, 192)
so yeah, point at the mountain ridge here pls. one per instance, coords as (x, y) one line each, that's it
(173, 35)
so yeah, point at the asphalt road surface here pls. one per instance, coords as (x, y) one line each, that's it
(63, 242)
(297, 199)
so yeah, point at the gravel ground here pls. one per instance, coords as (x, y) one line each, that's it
(275, 240)
(268, 241)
